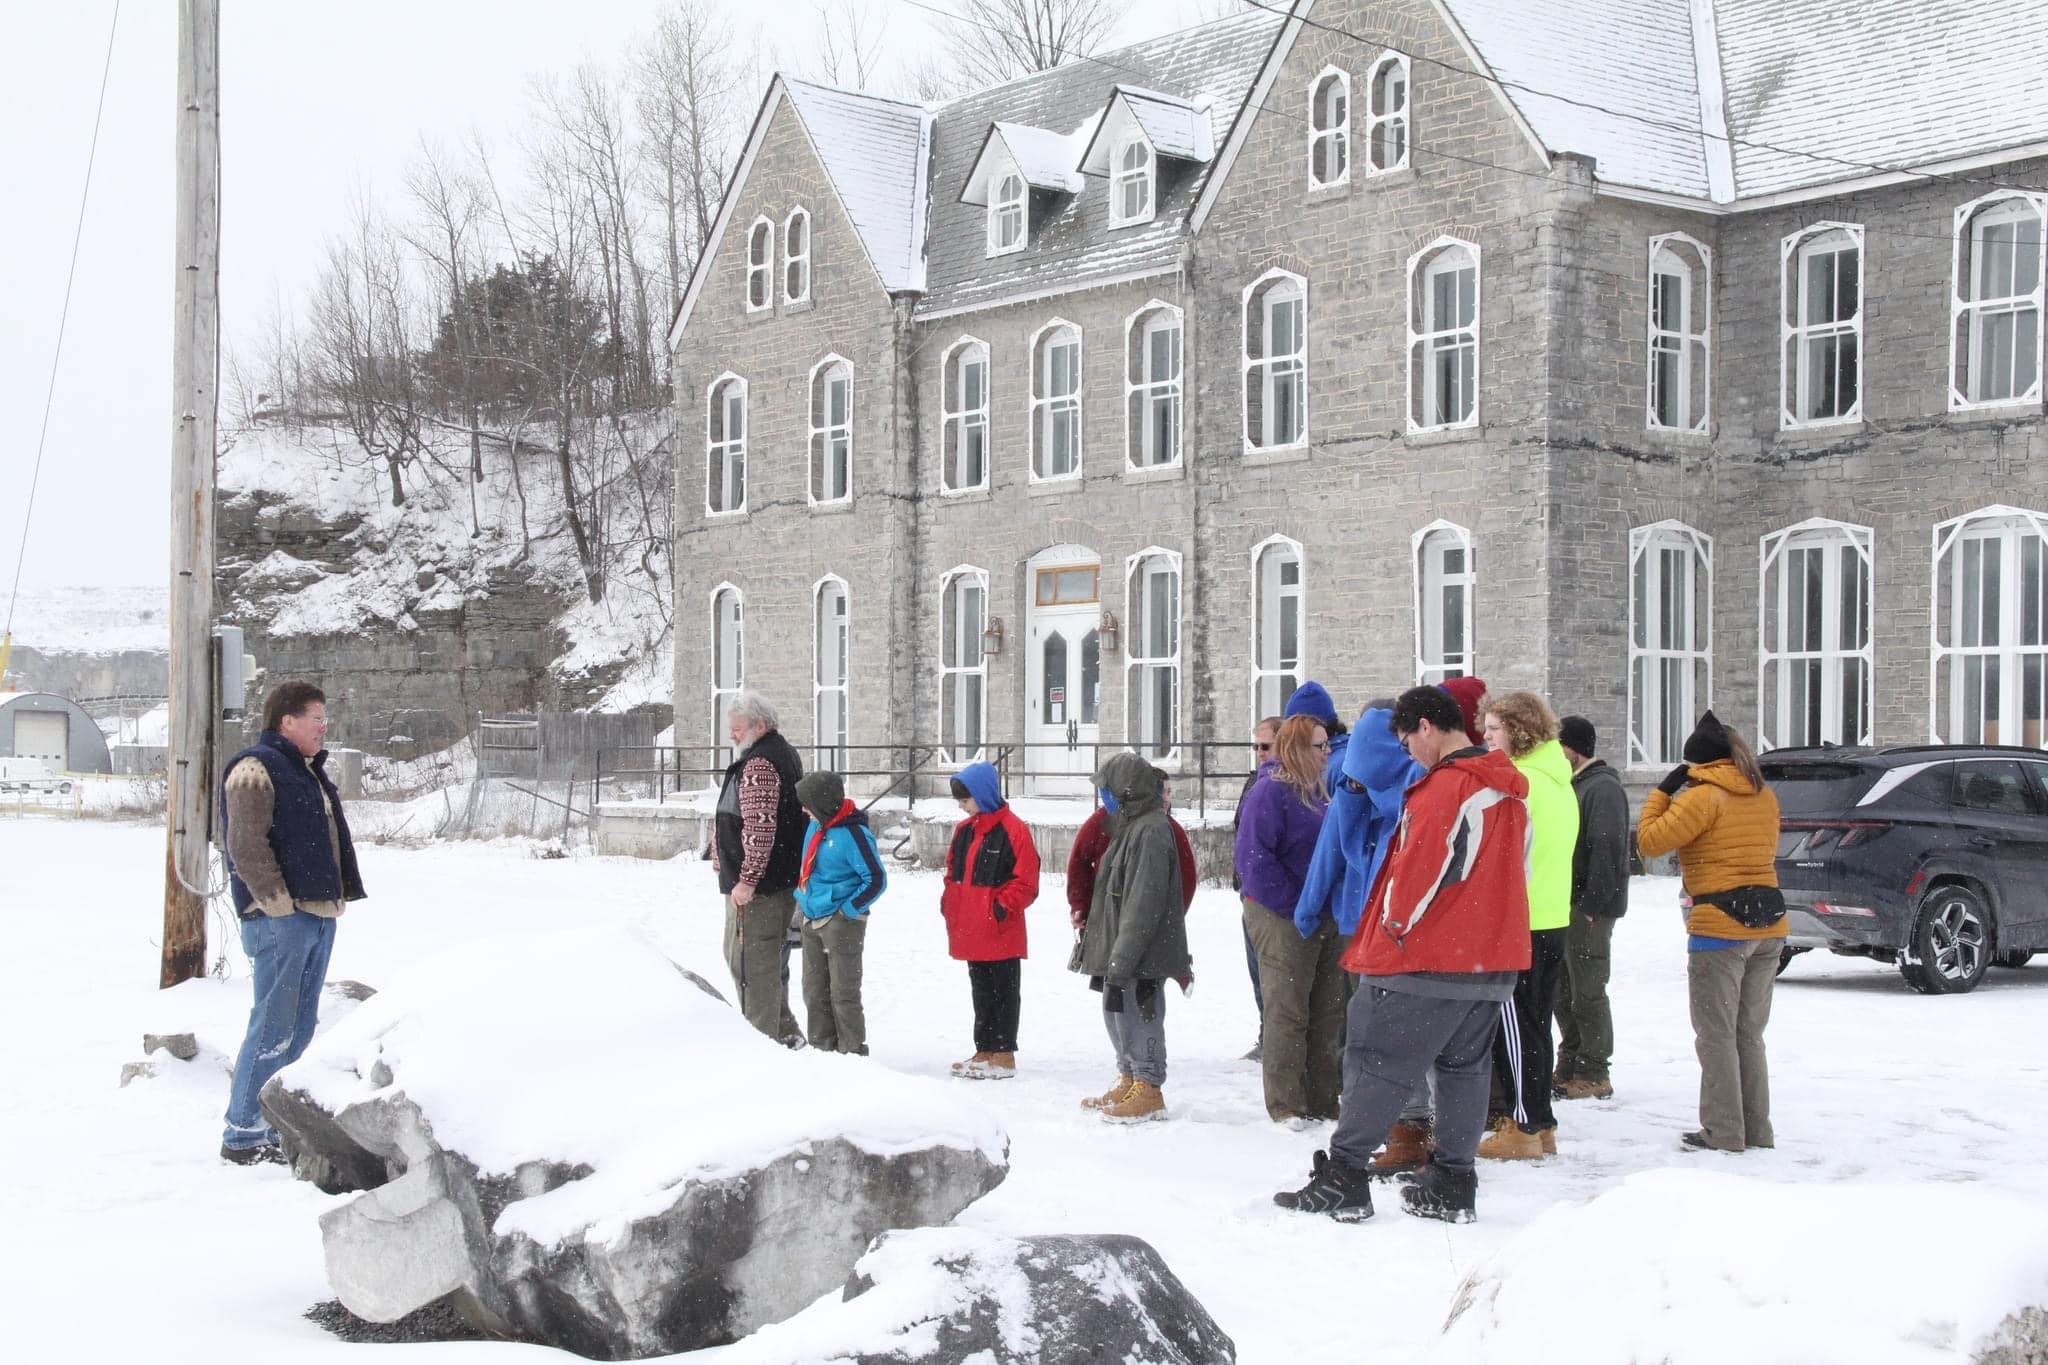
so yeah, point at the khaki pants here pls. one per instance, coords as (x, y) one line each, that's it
(1585, 1022)
(1730, 990)
(832, 949)
(1303, 1024)
(757, 955)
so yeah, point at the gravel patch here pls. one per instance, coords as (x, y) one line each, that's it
(435, 1322)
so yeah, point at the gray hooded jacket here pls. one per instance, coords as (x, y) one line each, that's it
(1136, 928)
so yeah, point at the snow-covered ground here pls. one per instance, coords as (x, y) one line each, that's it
(90, 620)
(1899, 1216)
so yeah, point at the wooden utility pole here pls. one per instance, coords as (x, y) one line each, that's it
(194, 709)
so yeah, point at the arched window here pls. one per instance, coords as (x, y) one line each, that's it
(760, 265)
(1386, 115)
(831, 430)
(964, 417)
(1130, 184)
(1276, 361)
(725, 445)
(1152, 386)
(1990, 629)
(1056, 402)
(1277, 621)
(1814, 633)
(796, 257)
(1329, 136)
(1995, 307)
(1443, 336)
(1445, 576)
(1822, 325)
(1152, 663)
(1681, 293)
(963, 670)
(1670, 643)
(728, 662)
(1008, 216)
(831, 660)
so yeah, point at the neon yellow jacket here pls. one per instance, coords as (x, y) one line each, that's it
(1553, 834)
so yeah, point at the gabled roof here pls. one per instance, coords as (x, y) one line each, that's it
(1044, 158)
(874, 150)
(1173, 126)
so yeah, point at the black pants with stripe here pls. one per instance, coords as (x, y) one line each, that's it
(1523, 1055)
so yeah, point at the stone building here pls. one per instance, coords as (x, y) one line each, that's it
(1652, 354)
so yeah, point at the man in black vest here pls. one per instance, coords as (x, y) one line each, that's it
(292, 869)
(759, 846)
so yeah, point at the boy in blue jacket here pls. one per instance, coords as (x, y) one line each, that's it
(840, 878)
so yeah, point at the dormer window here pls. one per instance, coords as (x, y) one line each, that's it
(1130, 184)
(1008, 213)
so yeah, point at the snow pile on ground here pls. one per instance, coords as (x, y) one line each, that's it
(608, 1057)
(1721, 1267)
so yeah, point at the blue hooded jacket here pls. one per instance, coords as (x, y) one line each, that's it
(1365, 812)
(846, 876)
(984, 784)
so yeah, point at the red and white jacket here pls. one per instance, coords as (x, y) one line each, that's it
(1453, 894)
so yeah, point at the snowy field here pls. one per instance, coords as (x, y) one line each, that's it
(1901, 1215)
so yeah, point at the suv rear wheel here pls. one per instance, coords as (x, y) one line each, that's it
(1951, 944)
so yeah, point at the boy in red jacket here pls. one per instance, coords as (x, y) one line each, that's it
(991, 879)
(1446, 929)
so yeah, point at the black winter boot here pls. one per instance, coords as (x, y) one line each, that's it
(1343, 1192)
(1448, 1196)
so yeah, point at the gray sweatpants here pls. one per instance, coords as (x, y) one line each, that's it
(1140, 1042)
(1391, 1042)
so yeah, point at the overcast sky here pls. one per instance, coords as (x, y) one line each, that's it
(316, 99)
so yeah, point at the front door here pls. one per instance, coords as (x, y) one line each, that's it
(1063, 678)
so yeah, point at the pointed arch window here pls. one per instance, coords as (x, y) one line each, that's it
(725, 445)
(1989, 654)
(1009, 216)
(1996, 303)
(1278, 622)
(1329, 138)
(1276, 361)
(1681, 294)
(728, 662)
(1670, 644)
(796, 256)
(1445, 578)
(1056, 402)
(1822, 326)
(1152, 663)
(1813, 630)
(1132, 172)
(964, 417)
(831, 431)
(1443, 336)
(1386, 115)
(831, 664)
(760, 265)
(963, 669)
(1152, 386)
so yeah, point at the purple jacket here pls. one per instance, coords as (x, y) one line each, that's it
(1276, 836)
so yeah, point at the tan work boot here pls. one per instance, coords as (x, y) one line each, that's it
(971, 1068)
(1580, 1088)
(1408, 1147)
(1140, 1104)
(1109, 1096)
(1507, 1142)
(1548, 1137)
(998, 1066)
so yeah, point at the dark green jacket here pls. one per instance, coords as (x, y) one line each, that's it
(1137, 930)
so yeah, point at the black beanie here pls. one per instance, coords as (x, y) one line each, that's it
(822, 794)
(1576, 734)
(1708, 742)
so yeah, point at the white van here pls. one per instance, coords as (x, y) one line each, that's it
(31, 775)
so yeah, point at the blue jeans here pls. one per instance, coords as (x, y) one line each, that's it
(288, 957)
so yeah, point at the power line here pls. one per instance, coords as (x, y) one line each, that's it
(63, 317)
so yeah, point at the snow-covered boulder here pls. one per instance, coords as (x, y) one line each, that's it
(585, 1146)
(1702, 1266)
(961, 1296)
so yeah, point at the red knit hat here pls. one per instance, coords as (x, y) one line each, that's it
(1467, 692)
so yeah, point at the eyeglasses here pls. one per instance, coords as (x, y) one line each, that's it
(1264, 748)
(1321, 746)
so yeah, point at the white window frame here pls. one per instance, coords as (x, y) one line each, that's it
(1396, 119)
(722, 692)
(823, 435)
(1142, 388)
(1145, 176)
(1426, 340)
(1695, 658)
(718, 454)
(1335, 134)
(1432, 585)
(761, 265)
(1968, 314)
(1263, 369)
(1042, 406)
(955, 676)
(1140, 663)
(800, 260)
(1692, 338)
(1268, 668)
(1775, 658)
(1795, 381)
(955, 423)
(1003, 206)
(824, 691)
(2007, 528)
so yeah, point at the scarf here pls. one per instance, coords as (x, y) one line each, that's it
(811, 846)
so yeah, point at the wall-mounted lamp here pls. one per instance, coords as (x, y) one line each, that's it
(992, 638)
(1108, 633)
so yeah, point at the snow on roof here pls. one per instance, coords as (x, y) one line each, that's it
(874, 150)
(1174, 126)
(1044, 158)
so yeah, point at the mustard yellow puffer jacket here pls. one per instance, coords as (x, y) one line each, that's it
(1725, 833)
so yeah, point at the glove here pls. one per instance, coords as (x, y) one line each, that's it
(1675, 779)
(1306, 920)
(1186, 982)
(1113, 996)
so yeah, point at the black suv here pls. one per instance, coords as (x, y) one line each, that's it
(1932, 856)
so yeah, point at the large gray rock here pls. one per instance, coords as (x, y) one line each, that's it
(710, 1182)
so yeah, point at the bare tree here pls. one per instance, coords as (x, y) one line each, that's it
(686, 88)
(999, 40)
(365, 343)
(450, 205)
(849, 36)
